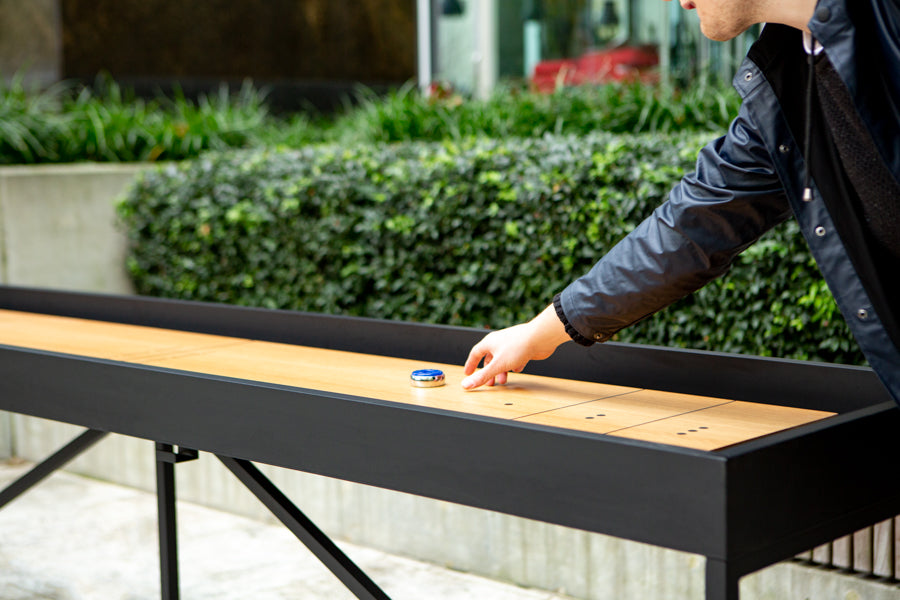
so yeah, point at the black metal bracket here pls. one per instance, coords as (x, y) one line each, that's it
(306, 531)
(167, 456)
(721, 580)
(168, 453)
(54, 462)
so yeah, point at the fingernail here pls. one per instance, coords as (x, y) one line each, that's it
(467, 383)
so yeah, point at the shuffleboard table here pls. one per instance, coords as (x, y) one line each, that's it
(744, 460)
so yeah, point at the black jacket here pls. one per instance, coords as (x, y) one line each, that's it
(752, 178)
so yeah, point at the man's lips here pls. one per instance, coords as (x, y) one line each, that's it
(687, 5)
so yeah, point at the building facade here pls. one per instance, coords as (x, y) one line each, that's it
(474, 44)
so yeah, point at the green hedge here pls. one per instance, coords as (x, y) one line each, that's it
(479, 233)
(404, 115)
(68, 123)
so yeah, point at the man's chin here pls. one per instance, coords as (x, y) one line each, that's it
(720, 35)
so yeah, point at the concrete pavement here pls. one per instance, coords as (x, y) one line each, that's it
(73, 538)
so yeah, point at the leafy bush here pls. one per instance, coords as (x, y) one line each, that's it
(477, 232)
(29, 124)
(68, 124)
(405, 115)
(105, 123)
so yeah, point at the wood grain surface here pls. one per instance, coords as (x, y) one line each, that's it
(677, 419)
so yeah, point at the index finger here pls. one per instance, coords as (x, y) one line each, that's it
(477, 352)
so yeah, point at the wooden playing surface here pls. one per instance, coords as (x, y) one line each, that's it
(677, 419)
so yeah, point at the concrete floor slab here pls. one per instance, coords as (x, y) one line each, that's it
(73, 538)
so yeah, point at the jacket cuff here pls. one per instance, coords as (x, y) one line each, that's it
(573, 333)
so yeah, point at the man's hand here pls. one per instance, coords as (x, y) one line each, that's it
(510, 349)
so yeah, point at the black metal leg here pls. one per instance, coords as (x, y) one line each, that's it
(51, 464)
(168, 539)
(319, 544)
(721, 581)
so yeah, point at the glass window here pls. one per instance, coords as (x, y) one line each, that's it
(570, 42)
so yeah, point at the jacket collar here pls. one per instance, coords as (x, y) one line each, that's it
(835, 25)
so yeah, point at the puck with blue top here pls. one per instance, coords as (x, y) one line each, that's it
(426, 378)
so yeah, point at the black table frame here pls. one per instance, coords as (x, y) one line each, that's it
(743, 508)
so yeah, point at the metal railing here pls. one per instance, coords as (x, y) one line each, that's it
(870, 552)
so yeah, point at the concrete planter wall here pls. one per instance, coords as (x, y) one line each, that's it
(58, 227)
(58, 230)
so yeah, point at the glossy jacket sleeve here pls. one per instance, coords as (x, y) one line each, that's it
(711, 216)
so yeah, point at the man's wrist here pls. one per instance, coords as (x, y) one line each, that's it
(570, 331)
(549, 329)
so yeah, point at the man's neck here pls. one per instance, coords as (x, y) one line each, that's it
(794, 13)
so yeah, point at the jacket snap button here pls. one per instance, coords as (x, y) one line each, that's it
(820, 231)
(823, 13)
(748, 76)
(784, 148)
(863, 314)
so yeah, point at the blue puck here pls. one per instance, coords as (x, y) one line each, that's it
(427, 378)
